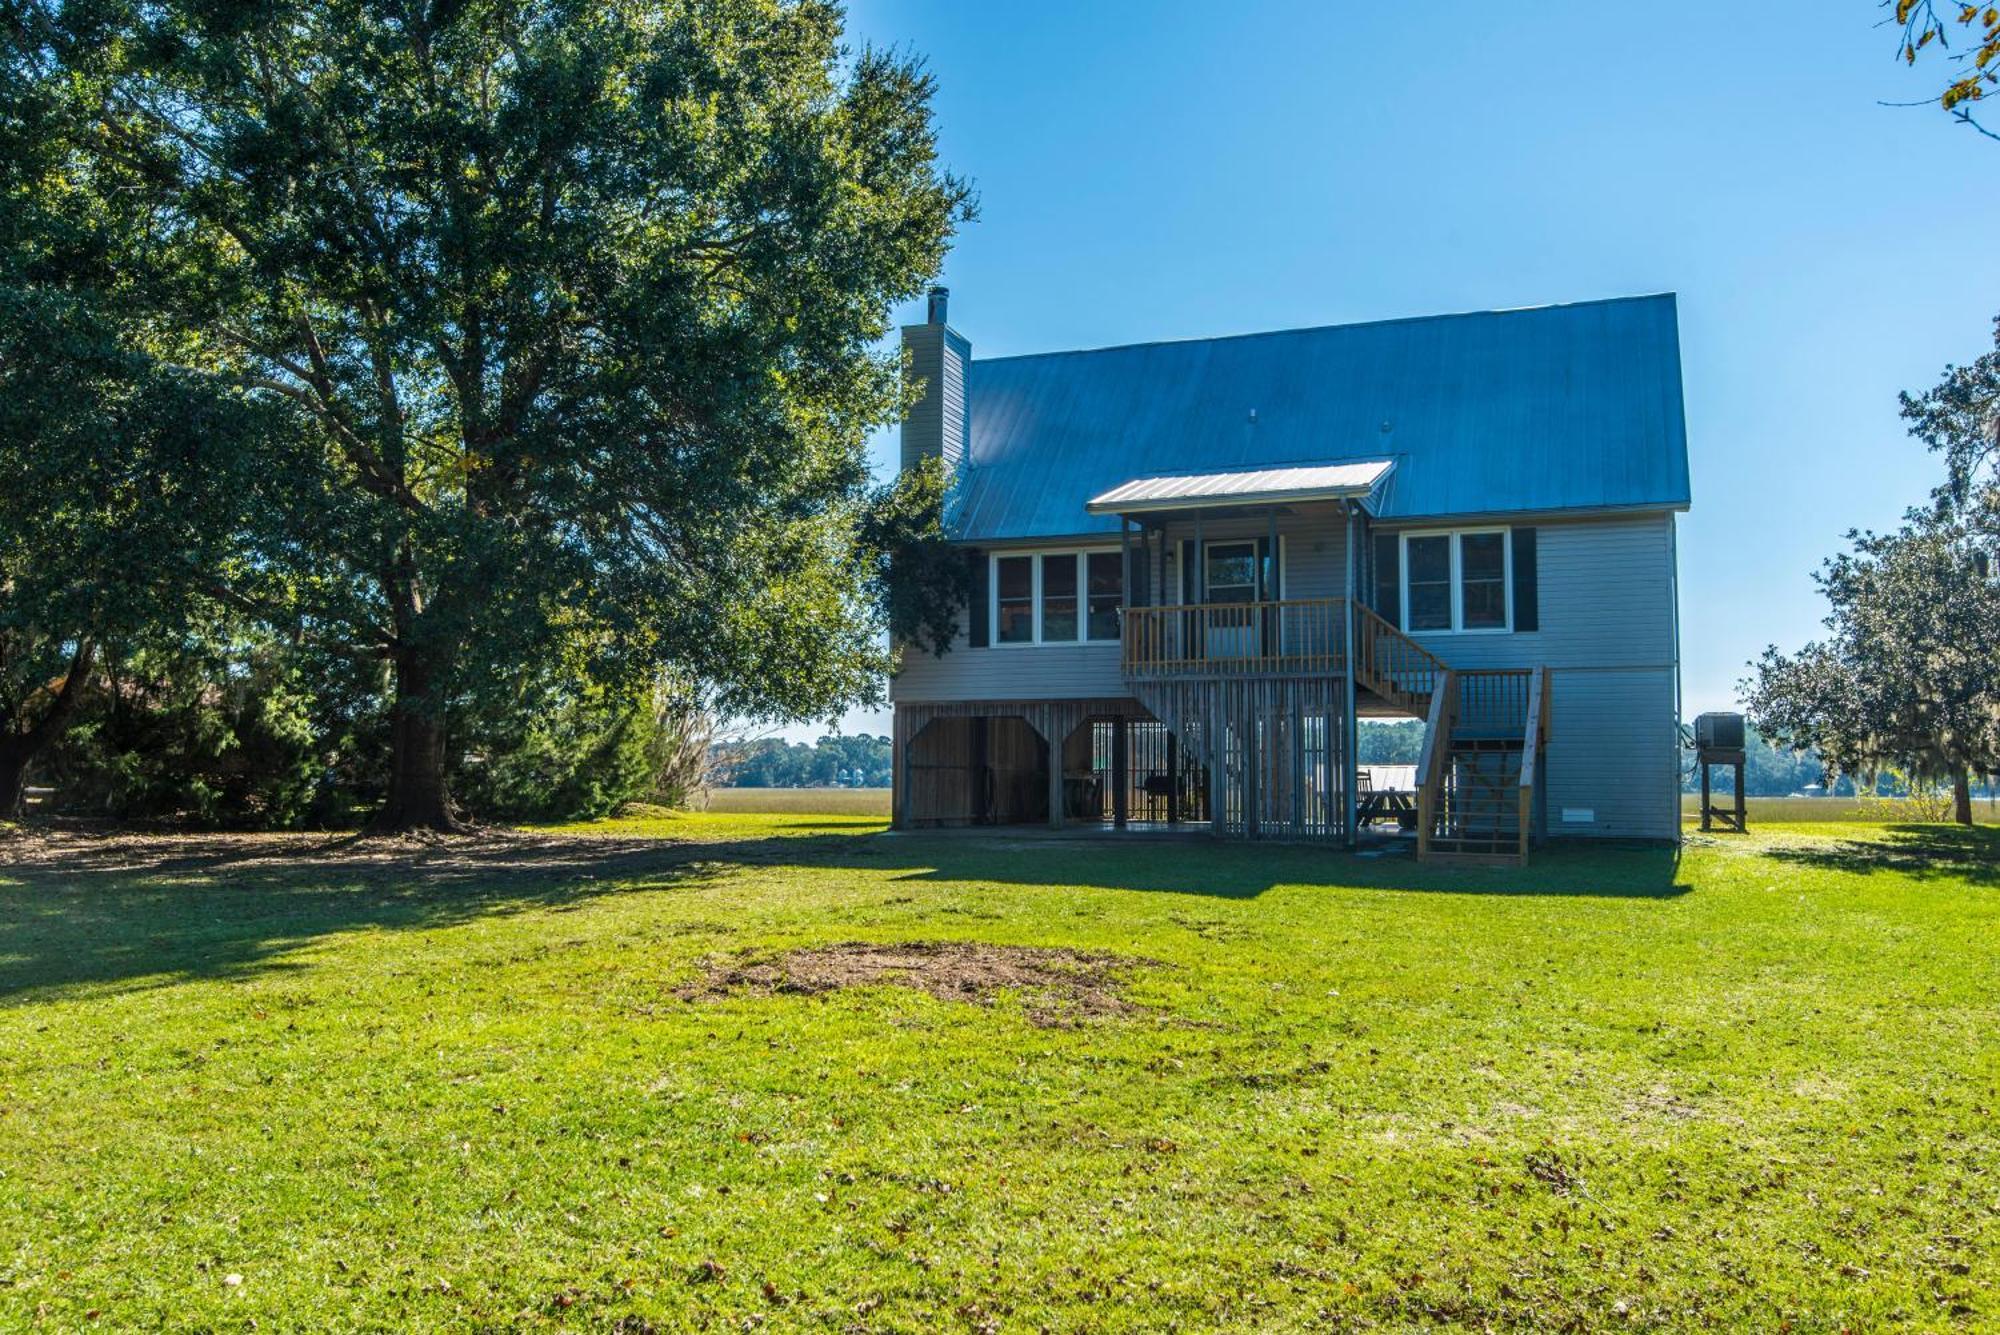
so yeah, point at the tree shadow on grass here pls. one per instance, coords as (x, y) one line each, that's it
(1242, 871)
(139, 911)
(131, 912)
(1970, 855)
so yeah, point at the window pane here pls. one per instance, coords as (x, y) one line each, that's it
(1429, 582)
(1430, 606)
(1017, 578)
(1014, 594)
(1482, 565)
(1058, 597)
(1483, 556)
(1232, 572)
(1430, 560)
(1107, 591)
(1485, 604)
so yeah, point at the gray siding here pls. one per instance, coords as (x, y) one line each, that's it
(938, 423)
(1011, 672)
(1607, 600)
(1607, 634)
(1606, 631)
(1614, 753)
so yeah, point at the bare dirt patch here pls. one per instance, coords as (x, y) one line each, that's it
(1059, 986)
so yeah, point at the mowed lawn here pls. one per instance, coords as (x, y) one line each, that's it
(306, 1084)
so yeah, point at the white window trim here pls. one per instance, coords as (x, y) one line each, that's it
(1458, 626)
(1039, 555)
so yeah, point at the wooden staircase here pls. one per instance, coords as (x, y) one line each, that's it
(1483, 740)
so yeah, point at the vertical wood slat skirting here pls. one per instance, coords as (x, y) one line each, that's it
(1273, 750)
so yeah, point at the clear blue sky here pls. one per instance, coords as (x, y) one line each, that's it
(1156, 171)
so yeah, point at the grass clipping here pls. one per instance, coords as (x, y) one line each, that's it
(1058, 987)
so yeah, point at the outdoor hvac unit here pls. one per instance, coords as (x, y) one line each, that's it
(1719, 732)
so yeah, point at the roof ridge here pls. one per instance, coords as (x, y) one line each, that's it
(1668, 295)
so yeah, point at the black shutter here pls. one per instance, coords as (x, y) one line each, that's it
(979, 609)
(1187, 572)
(1527, 590)
(1388, 578)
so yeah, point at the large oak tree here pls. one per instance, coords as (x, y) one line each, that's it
(121, 477)
(575, 304)
(1909, 675)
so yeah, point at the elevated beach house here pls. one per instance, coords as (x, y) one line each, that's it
(1197, 564)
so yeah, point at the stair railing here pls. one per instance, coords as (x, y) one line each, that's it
(1435, 759)
(1390, 661)
(1531, 749)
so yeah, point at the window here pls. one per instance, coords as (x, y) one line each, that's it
(1482, 580)
(1458, 581)
(1428, 561)
(1107, 592)
(1014, 600)
(1232, 572)
(1057, 597)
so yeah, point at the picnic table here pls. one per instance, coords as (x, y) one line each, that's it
(1373, 804)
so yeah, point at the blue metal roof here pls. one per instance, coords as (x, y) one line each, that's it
(1553, 408)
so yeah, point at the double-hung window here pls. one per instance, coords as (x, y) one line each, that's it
(1013, 600)
(1458, 581)
(1057, 597)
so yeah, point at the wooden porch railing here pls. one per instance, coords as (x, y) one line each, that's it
(1298, 635)
(1389, 662)
(1294, 636)
(1493, 702)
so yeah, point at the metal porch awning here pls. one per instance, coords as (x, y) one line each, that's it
(1349, 480)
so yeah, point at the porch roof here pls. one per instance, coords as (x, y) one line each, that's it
(1243, 486)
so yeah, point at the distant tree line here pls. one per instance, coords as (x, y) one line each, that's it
(857, 761)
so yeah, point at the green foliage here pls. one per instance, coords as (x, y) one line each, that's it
(1959, 418)
(574, 306)
(201, 735)
(919, 580)
(1909, 676)
(566, 751)
(858, 761)
(1400, 743)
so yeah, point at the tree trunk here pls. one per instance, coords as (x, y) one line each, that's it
(1961, 798)
(14, 757)
(419, 797)
(18, 751)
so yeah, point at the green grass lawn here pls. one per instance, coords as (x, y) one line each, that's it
(310, 1085)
